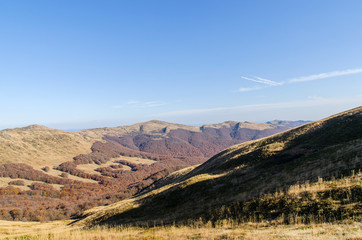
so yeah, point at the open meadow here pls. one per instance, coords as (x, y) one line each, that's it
(60, 230)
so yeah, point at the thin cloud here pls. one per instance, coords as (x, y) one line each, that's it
(325, 75)
(270, 83)
(265, 83)
(262, 80)
(309, 102)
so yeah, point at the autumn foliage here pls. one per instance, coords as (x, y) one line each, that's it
(58, 197)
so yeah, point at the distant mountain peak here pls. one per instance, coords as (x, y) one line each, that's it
(244, 176)
(35, 127)
(288, 123)
(157, 121)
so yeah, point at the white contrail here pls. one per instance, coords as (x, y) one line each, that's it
(262, 80)
(309, 102)
(268, 82)
(325, 75)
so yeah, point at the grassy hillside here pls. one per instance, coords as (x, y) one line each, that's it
(49, 174)
(236, 182)
(162, 138)
(40, 146)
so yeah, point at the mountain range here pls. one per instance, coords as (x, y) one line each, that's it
(48, 174)
(307, 174)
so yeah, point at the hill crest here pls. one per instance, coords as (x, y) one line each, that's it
(326, 149)
(107, 164)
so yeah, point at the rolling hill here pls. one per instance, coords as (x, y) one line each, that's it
(40, 146)
(307, 174)
(48, 174)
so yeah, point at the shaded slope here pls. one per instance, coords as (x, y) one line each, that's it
(327, 149)
(49, 174)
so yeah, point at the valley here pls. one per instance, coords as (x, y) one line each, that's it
(173, 120)
(224, 228)
(302, 183)
(252, 182)
(46, 170)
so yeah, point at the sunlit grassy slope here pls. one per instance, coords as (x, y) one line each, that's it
(199, 229)
(40, 146)
(235, 183)
(61, 231)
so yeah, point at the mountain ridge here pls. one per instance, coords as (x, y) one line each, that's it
(104, 165)
(326, 149)
(85, 137)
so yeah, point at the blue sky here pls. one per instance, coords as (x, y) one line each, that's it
(83, 64)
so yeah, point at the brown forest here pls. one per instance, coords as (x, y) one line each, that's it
(168, 150)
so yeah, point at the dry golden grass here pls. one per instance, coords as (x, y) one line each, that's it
(91, 167)
(136, 160)
(56, 173)
(172, 177)
(321, 185)
(146, 127)
(249, 125)
(12, 229)
(59, 230)
(162, 128)
(5, 180)
(40, 146)
(134, 202)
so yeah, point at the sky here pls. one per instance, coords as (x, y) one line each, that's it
(85, 64)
